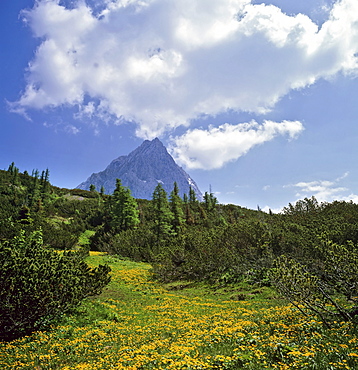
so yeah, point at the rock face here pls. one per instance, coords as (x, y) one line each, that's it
(141, 170)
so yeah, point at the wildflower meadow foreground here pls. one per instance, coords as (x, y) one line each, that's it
(137, 323)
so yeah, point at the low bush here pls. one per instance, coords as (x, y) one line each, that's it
(38, 285)
(327, 287)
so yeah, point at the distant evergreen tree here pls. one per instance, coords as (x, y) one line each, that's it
(185, 198)
(192, 196)
(35, 189)
(45, 184)
(192, 209)
(11, 168)
(14, 171)
(45, 177)
(124, 210)
(102, 191)
(176, 207)
(210, 201)
(161, 213)
(92, 188)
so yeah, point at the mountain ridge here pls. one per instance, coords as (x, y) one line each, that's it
(141, 170)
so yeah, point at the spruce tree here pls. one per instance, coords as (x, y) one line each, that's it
(35, 189)
(14, 171)
(162, 215)
(210, 201)
(124, 212)
(192, 208)
(176, 207)
(192, 196)
(185, 198)
(45, 185)
(11, 168)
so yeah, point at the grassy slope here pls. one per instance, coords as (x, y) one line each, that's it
(138, 324)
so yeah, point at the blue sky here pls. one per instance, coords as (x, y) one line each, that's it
(257, 99)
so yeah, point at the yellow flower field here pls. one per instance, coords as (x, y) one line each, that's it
(138, 324)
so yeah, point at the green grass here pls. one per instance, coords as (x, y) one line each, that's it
(137, 323)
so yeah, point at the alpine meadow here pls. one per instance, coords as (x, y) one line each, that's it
(96, 281)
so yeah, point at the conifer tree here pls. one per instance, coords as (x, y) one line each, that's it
(11, 168)
(124, 212)
(176, 207)
(210, 201)
(14, 171)
(162, 215)
(207, 201)
(45, 184)
(185, 198)
(192, 196)
(192, 208)
(35, 189)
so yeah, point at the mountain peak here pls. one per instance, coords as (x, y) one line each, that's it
(154, 144)
(141, 170)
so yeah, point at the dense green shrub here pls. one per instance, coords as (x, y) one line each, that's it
(327, 286)
(213, 254)
(38, 285)
(61, 235)
(137, 244)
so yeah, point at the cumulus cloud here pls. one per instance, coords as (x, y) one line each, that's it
(162, 63)
(212, 148)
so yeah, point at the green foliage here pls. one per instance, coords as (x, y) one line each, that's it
(161, 214)
(61, 235)
(39, 285)
(193, 240)
(136, 244)
(328, 286)
(221, 253)
(176, 207)
(124, 208)
(210, 201)
(138, 323)
(302, 207)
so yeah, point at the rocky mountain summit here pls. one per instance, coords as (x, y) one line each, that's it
(141, 170)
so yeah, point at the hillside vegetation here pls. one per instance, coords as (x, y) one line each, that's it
(307, 254)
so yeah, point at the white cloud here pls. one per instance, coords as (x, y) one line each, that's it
(267, 209)
(212, 148)
(70, 129)
(324, 190)
(59, 126)
(164, 63)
